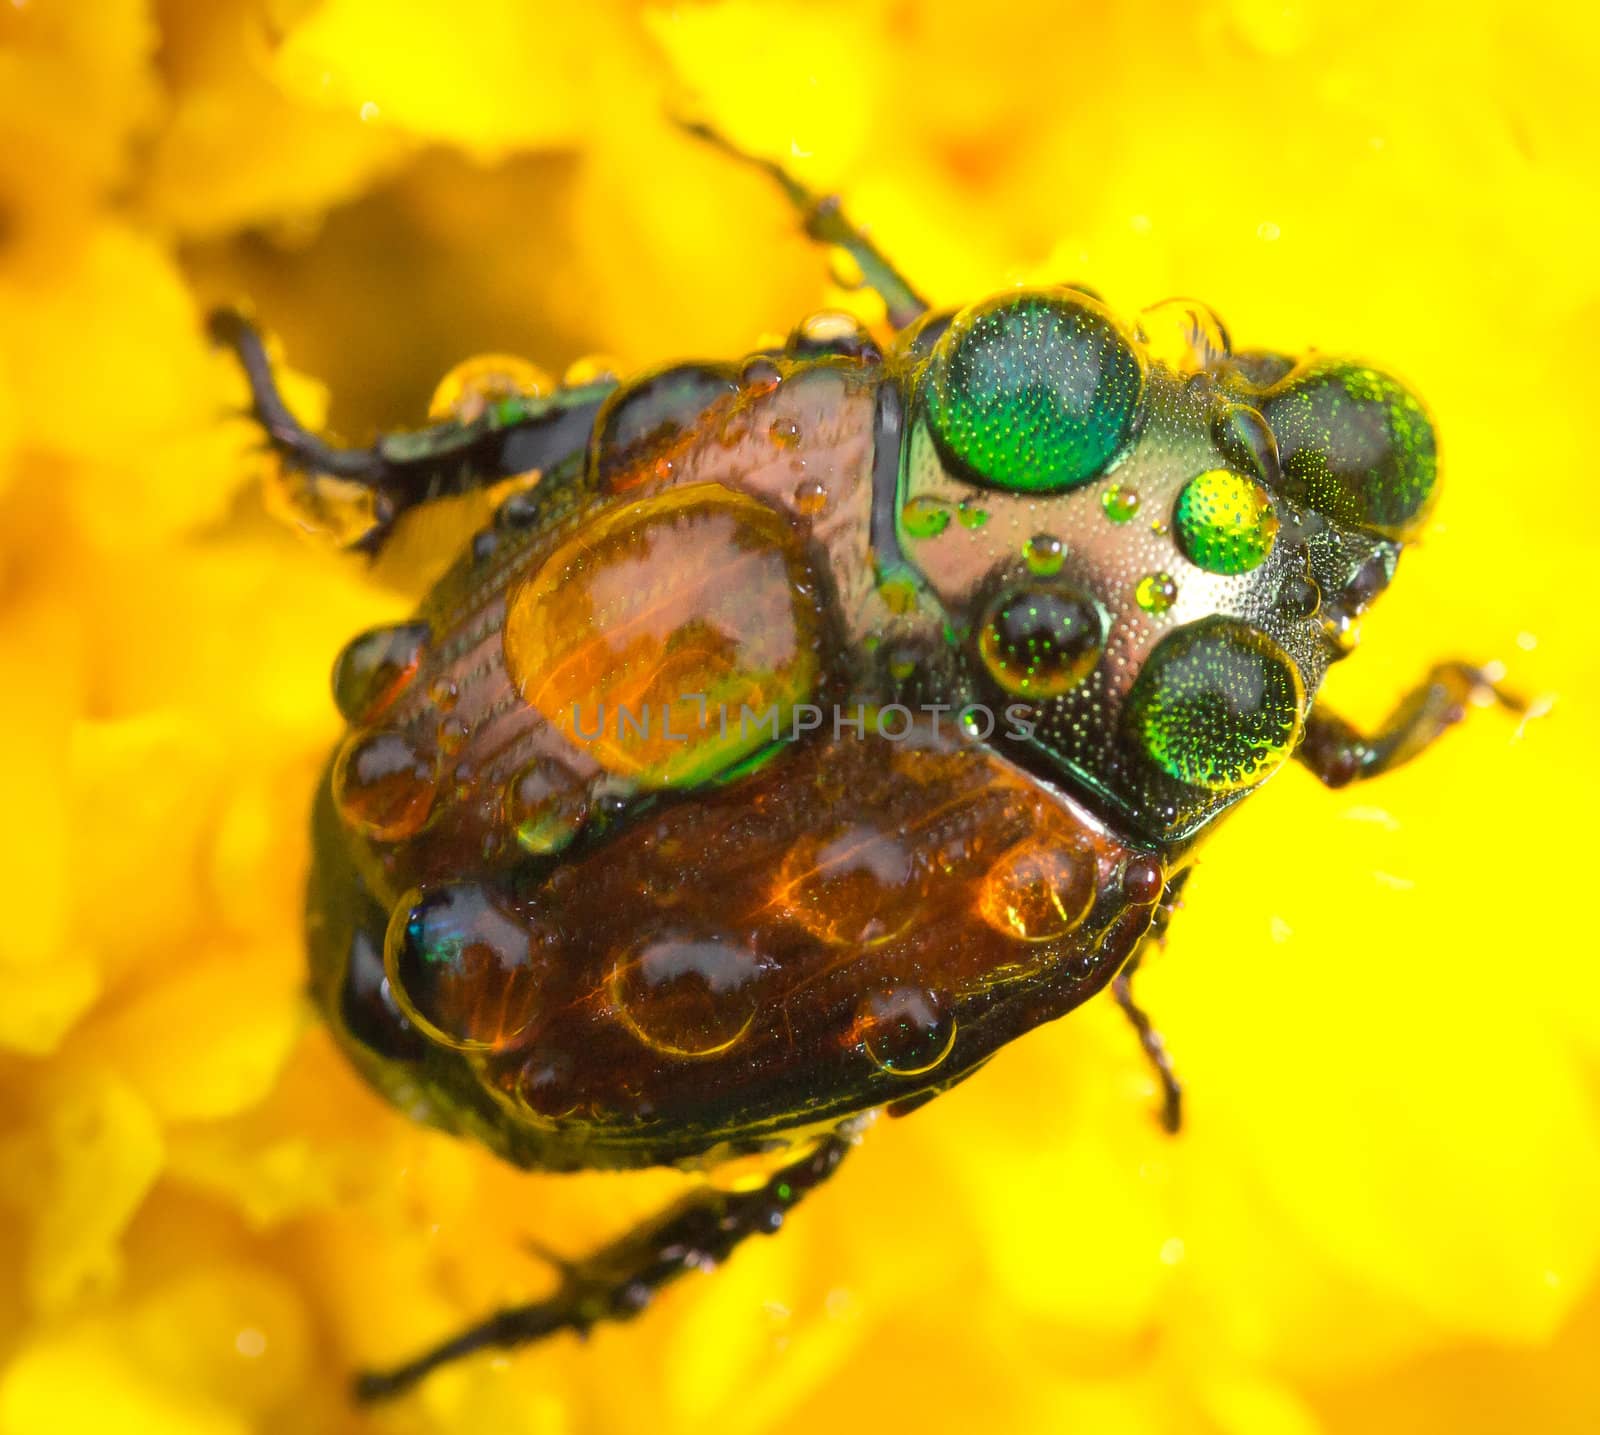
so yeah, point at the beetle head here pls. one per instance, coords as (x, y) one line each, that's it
(1161, 545)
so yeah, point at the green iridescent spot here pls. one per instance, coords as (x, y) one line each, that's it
(1357, 445)
(1217, 705)
(925, 517)
(1033, 392)
(1042, 640)
(1224, 522)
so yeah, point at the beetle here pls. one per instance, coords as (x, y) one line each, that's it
(818, 723)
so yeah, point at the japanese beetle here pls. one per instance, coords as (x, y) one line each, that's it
(818, 723)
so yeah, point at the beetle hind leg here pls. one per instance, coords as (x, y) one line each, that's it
(403, 470)
(619, 1280)
(826, 222)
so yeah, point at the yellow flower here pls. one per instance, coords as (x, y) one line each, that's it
(1381, 1216)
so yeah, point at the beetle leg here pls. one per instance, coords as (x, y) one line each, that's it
(617, 1281)
(518, 435)
(825, 221)
(1338, 753)
(1155, 1050)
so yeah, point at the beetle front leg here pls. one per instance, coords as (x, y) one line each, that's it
(1154, 1048)
(401, 470)
(618, 1281)
(825, 221)
(1338, 753)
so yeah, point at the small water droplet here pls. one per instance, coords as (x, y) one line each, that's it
(545, 805)
(810, 498)
(1119, 503)
(760, 374)
(474, 384)
(905, 1030)
(590, 369)
(452, 736)
(442, 693)
(383, 787)
(1156, 592)
(1044, 554)
(784, 432)
(925, 517)
(969, 515)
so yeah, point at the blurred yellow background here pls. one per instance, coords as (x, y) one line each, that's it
(1383, 1214)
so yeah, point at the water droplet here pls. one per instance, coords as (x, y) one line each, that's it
(1184, 335)
(1300, 596)
(452, 736)
(1156, 592)
(969, 515)
(905, 1030)
(546, 1085)
(1039, 642)
(902, 662)
(1225, 522)
(383, 787)
(1244, 440)
(374, 669)
(784, 433)
(442, 693)
(1044, 554)
(760, 374)
(687, 994)
(474, 384)
(810, 498)
(1037, 892)
(832, 331)
(591, 369)
(925, 517)
(545, 805)
(618, 638)
(852, 887)
(899, 594)
(466, 966)
(1119, 503)
(1217, 705)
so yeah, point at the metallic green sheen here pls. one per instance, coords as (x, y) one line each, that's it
(1033, 392)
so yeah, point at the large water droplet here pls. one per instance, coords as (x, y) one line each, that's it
(852, 887)
(1225, 522)
(687, 994)
(1037, 892)
(382, 785)
(1041, 641)
(466, 966)
(375, 668)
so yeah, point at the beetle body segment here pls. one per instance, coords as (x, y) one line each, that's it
(802, 740)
